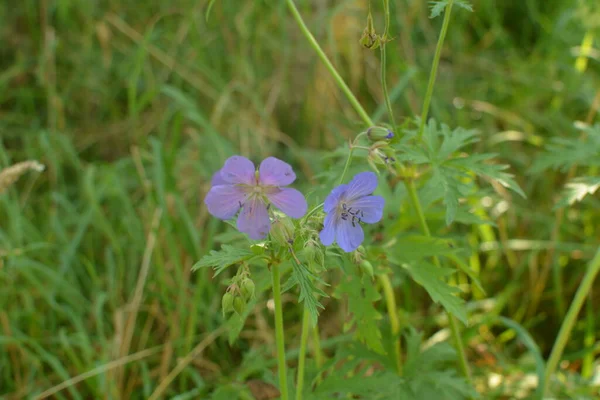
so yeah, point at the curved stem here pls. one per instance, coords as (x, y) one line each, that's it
(388, 103)
(316, 345)
(338, 79)
(302, 354)
(434, 67)
(392, 308)
(570, 319)
(279, 335)
(454, 328)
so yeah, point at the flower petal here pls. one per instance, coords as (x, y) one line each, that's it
(274, 172)
(368, 208)
(349, 236)
(223, 201)
(217, 179)
(362, 184)
(254, 219)
(332, 201)
(327, 235)
(238, 169)
(290, 201)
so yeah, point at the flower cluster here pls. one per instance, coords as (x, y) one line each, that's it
(240, 187)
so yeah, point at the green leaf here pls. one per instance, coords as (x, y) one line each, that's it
(577, 189)
(432, 279)
(220, 260)
(564, 153)
(467, 270)
(308, 291)
(418, 247)
(437, 7)
(361, 296)
(477, 163)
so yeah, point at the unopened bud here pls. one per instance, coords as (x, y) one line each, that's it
(239, 305)
(369, 38)
(282, 231)
(377, 133)
(358, 255)
(227, 303)
(367, 268)
(247, 288)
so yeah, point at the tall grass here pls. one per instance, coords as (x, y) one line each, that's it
(132, 107)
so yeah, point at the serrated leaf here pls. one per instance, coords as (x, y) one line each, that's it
(437, 7)
(477, 163)
(220, 260)
(361, 296)
(564, 153)
(308, 291)
(418, 247)
(577, 189)
(467, 270)
(432, 279)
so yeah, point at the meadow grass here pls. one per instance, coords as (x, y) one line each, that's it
(132, 106)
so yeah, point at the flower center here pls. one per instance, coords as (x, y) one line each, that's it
(353, 215)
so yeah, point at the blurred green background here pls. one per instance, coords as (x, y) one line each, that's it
(133, 105)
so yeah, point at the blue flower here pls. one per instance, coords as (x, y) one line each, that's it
(349, 206)
(238, 185)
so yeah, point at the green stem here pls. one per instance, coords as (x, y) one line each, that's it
(570, 319)
(454, 328)
(316, 344)
(302, 355)
(392, 308)
(388, 103)
(279, 335)
(434, 67)
(338, 79)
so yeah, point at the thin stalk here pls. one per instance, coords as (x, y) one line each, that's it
(338, 79)
(570, 319)
(316, 346)
(302, 355)
(454, 328)
(388, 103)
(279, 335)
(434, 68)
(392, 308)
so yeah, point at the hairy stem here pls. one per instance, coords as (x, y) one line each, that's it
(390, 300)
(570, 319)
(338, 79)
(279, 335)
(388, 103)
(302, 354)
(434, 68)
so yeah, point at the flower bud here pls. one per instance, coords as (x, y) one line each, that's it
(369, 38)
(239, 305)
(377, 133)
(367, 268)
(227, 303)
(247, 288)
(282, 231)
(358, 255)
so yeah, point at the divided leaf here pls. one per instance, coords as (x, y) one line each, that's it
(577, 189)
(361, 296)
(220, 260)
(432, 279)
(437, 7)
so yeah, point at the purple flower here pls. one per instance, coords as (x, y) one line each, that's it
(347, 207)
(238, 185)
